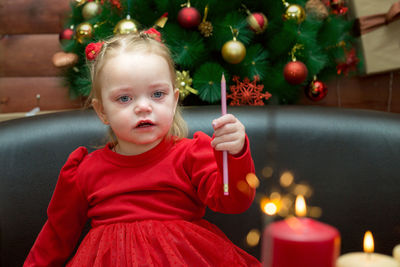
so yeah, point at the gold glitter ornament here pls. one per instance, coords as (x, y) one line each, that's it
(126, 26)
(294, 12)
(79, 2)
(184, 82)
(84, 31)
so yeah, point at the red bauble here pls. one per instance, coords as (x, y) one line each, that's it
(295, 72)
(316, 90)
(189, 17)
(66, 34)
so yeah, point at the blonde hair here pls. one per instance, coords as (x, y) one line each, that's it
(138, 42)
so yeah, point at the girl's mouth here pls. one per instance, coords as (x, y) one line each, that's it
(144, 124)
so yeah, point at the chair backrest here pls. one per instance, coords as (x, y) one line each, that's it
(348, 157)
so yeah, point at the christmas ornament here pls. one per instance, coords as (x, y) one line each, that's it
(161, 21)
(258, 22)
(317, 9)
(92, 50)
(115, 3)
(62, 59)
(184, 82)
(294, 12)
(205, 26)
(189, 17)
(90, 10)
(233, 51)
(350, 63)
(338, 7)
(247, 93)
(126, 26)
(316, 90)
(66, 35)
(79, 2)
(84, 31)
(295, 72)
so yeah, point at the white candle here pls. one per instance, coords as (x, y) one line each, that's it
(362, 259)
(396, 253)
(366, 258)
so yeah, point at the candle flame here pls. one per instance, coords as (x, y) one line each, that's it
(368, 242)
(301, 209)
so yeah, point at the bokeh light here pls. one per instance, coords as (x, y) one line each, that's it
(286, 179)
(267, 172)
(252, 180)
(253, 237)
(315, 212)
(302, 189)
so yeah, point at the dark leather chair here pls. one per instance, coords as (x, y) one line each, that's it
(350, 158)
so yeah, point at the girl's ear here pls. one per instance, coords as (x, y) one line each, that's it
(98, 107)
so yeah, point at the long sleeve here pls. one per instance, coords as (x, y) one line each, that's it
(66, 218)
(205, 168)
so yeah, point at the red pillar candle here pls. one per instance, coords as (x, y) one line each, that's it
(300, 242)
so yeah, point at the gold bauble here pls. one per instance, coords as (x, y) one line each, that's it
(126, 26)
(84, 31)
(90, 10)
(295, 12)
(233, 51)
(79, 2)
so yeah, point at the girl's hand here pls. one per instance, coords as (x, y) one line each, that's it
(229, 134)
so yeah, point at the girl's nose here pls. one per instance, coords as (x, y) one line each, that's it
(142, 105)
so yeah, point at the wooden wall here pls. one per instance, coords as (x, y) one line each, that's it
(29, 37)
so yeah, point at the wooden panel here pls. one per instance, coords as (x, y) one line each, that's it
(369, 92)
(395, 103)
(19, 94)
(33, 16)
(28, 55)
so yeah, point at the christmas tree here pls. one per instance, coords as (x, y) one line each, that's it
(268, 50)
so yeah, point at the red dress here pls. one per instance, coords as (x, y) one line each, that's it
(145, 210)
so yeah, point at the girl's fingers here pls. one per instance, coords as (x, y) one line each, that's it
(223, 120)
(225, 138)
(233, 147)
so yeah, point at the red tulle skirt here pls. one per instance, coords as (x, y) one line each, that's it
(159, 243)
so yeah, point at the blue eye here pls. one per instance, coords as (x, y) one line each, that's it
(124, 98)
(158, 94)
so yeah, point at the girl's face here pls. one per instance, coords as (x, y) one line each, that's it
(138, 100)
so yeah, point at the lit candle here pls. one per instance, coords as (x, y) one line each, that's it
(366, 258)
(224, 153)
(396, 253)
(300, 242)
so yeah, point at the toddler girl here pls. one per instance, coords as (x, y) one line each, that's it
(146, 191)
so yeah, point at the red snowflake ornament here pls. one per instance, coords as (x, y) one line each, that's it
(247, 93)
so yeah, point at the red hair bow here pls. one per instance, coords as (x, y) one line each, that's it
(153, 33)
(92, 50)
